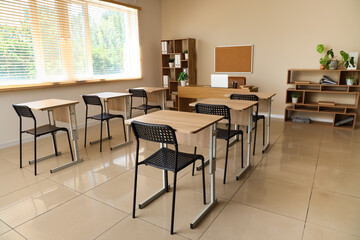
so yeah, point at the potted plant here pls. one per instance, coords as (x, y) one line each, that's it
(171, 62)
(186, 54)
(295, 97)
(183, 78)
(351, 81)
(328, 61)
(346, 60)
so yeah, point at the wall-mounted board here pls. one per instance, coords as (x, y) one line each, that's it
(235, 58)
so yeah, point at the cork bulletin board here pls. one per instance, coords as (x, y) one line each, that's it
(236, 58)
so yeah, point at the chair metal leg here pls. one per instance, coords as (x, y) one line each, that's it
(193, 166)
(85, 132)
(255, 137)
(203, 179)
(263, 131)
(226, 160)
(135, 187)
(173, 205)
(54, 142)
(71, 152)
(20, 144)
(242, 150)
(124, 129)
(166, 181)
(108, 128)
(101, 127)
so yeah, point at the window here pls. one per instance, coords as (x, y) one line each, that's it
(44, 41)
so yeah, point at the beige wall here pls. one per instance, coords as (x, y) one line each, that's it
(150, 35)
(284, 33)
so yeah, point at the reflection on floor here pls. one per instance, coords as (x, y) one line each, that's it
(305, 187)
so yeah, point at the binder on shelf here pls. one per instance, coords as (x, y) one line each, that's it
(177, 61)
(165, 47)
(186, 70)
(166, 81)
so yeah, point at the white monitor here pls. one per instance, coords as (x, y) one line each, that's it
(219, 80)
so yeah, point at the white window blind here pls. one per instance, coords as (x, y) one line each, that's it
(44, 41)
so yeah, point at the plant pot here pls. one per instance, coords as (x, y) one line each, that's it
(294, 100)
(350, 82)
(183, 83)
(322, 67)
(333, 65)
(171, 64)
(186, 56)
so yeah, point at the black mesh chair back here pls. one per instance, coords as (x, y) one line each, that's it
(23, 111)
(220, 110)
(247, 97)
(138, 93)
(92, 100)
(154, 132)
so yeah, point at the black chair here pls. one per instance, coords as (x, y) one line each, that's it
(165, 159)
(24, 111)
(103, 116)
(225, 134)
(256, 116)
(141, 93)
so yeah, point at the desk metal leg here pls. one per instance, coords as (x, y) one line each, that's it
(74, 138)
(128, 127)
(248, 143)
(206, 162)
(163, 100)
(236, 138)
(268, 128)
(212, 170)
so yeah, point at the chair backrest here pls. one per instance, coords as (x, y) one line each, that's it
(220, 110)
(247, 97)
(92, 100)
(138, 93)
(23, 111)
(154, 132)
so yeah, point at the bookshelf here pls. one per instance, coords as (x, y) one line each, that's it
(175, 49)
(342, 100)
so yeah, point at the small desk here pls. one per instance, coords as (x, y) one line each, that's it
(238, 111)
(117, 102)
(156, 94)
(185, 94)
(189, 127)
(62, 111)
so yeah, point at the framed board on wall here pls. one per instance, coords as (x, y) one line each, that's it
(234, 59)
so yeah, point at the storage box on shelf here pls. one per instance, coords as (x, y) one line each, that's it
(175, 49)
(330, 105)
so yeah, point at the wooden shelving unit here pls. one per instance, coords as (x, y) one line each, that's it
(345, 97)
(177, 47)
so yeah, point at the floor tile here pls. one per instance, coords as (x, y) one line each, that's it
(4, 228)
(29, 202)
(276, 196)
(238, 221)
(11, 235)
(338, 212)
(314, 232)
(80, 218)
(133, 229)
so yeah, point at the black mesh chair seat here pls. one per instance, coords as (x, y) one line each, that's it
(146, 107)
(165, 159)
(45, 129)
(224, 134)
(106, 116)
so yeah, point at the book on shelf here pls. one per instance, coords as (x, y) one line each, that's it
(328, 103)
(166, 80)
(302, 82)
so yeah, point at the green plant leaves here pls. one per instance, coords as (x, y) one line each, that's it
(330, 52)
(320, 48)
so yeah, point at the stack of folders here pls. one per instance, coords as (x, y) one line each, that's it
(166, 80)
(327, 81)
(177, 61)
(164, 47)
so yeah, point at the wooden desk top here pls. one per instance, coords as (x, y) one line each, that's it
(152, 89)
(200, 90)
(47, 104)
(108, 95)
(232, 104)
(184, 122)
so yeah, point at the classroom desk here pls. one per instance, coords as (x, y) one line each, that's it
(156, 94)
(241, 113)
(62, 111)
(191, 128)
(117, 102)
(186, 94)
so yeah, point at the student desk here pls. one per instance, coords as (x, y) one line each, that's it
(191, 128)
(117, 102)
(187, 94)
(241, 113)
(62, 111)
(155, 94)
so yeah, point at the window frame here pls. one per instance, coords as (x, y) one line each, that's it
(66, 49)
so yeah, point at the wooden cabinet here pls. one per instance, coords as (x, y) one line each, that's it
(324, 104)
(175, 49)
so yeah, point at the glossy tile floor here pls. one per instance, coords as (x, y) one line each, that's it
(306, 187)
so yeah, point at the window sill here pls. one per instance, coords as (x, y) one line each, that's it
(13, 88)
